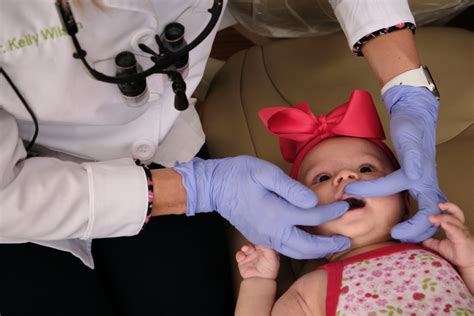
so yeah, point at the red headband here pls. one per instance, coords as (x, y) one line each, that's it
(299, 130)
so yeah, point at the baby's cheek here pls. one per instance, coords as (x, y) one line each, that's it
(322, 230)
(324, 192)
(392, 206)
(371, 175)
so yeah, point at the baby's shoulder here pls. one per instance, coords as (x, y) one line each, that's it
(312, 290)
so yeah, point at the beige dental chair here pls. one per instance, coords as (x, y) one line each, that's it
(322, 71)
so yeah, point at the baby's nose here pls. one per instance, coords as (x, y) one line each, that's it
(345, 175)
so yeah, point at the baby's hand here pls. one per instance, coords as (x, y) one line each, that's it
(458, 247)
(257, 262)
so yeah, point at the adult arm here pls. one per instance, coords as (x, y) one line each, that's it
(44, 199)
(391, 54)
(47, 200)
(413, 109)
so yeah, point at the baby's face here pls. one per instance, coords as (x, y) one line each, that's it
(334, 163)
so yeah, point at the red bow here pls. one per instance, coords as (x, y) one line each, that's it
(299, 130)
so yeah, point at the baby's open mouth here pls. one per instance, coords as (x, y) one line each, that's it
(354, 203)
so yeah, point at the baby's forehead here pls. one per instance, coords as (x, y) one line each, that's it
(338, 149)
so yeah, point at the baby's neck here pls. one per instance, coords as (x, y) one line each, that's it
(358, 250)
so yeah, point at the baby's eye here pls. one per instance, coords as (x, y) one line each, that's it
(366, 168)
(320, 178)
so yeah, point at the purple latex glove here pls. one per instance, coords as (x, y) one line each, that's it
(263, 203)
(414, 111)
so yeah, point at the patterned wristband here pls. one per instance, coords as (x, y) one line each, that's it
(357, 49)
(149, 181)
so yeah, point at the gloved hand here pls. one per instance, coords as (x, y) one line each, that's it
(263, 203)
(413, 128)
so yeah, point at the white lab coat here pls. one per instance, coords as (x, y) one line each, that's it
(86, 185)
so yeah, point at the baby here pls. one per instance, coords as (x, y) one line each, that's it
(377, 275)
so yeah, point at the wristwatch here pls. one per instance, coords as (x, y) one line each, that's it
(419, 77)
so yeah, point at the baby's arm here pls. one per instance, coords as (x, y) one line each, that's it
(458, 247)
(258, 267)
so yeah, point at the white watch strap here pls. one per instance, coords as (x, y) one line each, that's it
(414, 77)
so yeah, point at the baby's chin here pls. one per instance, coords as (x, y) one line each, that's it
(359, 237)
(359, 233)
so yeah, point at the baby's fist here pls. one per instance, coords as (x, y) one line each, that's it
(257, 262)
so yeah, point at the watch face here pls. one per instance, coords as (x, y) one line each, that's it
(431, 81)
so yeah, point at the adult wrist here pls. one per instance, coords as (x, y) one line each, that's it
(357, 47)
(391, 55)
(418, 77)
(196, 179)
(150, 194)
(414, 101)
(169, 196)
